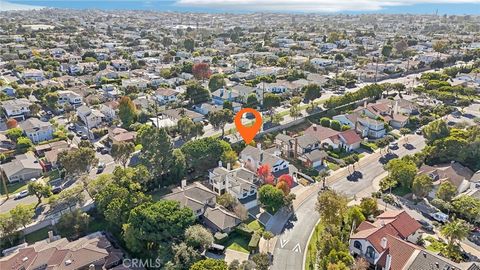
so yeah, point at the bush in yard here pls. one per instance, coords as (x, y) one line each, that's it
(325, 122)
(287, 179)
(220, 238)
(253, 244)
(243, 230)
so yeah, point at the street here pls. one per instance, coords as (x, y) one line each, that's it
(291, 244)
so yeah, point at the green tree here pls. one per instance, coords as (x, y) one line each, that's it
(467, 207)
(220, 118)
(23, 144)
(184, 257)
(369, 206)
(151, 226)
(325, 122)
(335, 125)
(436, 130)
(51, 99)
(127, 112)
(354, 217)
(271, 101)
(198, 237)
(70, 197)
(261, 260)
(332, 207)
(178, 167)
(204, 153)
(209, 264)
(403, 171)
(422, 185)
(252, 101)
(216, 81)
(229, 157)
(77, 161)
(189, 129)
(8, 228)
(189, 44)
(227, 200)
(455, 231)
(121, 152)
(40, 190)
(446, 191)
(22, 214)
(73, 224)
(196, 93)
(387, 50)
(271, 198)
(312, 92)
(157, 153)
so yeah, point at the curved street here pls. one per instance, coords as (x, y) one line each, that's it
(290, 247)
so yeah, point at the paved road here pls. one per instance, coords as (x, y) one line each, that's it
(291, 244)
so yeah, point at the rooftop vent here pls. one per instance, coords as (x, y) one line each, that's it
(68, 262)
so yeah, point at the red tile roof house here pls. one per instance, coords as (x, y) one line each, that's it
(387, 244)
(348, 139)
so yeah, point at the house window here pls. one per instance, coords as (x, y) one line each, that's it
(370, 253)
(357, 245)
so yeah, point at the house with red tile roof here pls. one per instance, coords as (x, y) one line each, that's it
(388, 244)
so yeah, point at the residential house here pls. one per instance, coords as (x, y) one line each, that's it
(121, 64)
(119, 135)
(221, 95)
(243, 91)
(202, 202)
(17, 108)
(36, 130)
(139, 83)
(109, 109)
(33, 74)
(5, 144)
(23, 167)
(91, 117)
(8, 90)
(388, 243)
(454, 172)
(241, 183)
(93, 251)
(348, 140)
(206, 108)
(321, 62)
(69, 97)
(166, 95)
(365, 126)
(177, 114)
(254, 157)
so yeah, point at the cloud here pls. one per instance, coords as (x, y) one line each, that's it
(312, 5)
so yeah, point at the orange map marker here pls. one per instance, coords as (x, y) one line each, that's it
(248, 133)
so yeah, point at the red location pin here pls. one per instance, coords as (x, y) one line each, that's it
(248, 133)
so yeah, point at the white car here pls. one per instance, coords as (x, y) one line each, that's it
(21, 194)
(393, 145)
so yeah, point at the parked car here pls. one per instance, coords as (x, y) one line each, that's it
(72, 127)
(56, 189)
(393, 145)
(419, 132)
(79, 133)
(104, 151)
(84, 137)
(21, 194)
(440, 217)
(100, 167)
(425, 225)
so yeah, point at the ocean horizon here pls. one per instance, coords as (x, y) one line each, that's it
(173, 6)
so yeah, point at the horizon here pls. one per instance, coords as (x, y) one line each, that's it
(321, 7)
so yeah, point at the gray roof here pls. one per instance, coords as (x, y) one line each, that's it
(194, 196)
(16, 104)
(34, 124)
(221, 218)
(179, 113)
(423, 259)
(316, 155)
(24, 161)
(256, 154)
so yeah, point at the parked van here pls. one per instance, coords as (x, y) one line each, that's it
(440, 217)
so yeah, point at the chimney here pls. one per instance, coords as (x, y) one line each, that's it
(91, 267)
(259, 146)
(50, 236)
(220, 163)
(388, 261)
(296, 148)
(228, 166)
(314, 126)
(183, 184)
(383, 244)
(395, 108)
(365, 104)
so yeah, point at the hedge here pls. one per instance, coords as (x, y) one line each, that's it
(243, 230)
(253, 244)
(220, 237)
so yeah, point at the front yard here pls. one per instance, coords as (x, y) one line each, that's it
(237, 242)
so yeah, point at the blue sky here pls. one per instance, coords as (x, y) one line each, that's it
(319, 6)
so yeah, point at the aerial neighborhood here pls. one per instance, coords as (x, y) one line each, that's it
(118, 147)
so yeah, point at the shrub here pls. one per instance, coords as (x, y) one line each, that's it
(244, 230)
(253, 244)
(220, 238)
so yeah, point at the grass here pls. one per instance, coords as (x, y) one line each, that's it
(254, 224)
(435, 244)
(14, 188)
(332, 166)
(138, 147)
(237, 242)
(38, 235)
(310, 260)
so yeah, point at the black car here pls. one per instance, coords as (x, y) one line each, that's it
(84, 137)
(72, 127)
(56, 189)
(426, 226)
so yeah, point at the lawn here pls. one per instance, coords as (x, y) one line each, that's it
(332, 166)
(237, 242)
(38, 235)
(253, 224)
(14, 188)
(435, 245)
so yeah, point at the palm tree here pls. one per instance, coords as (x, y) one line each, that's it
(267, 235)
(454, 231)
